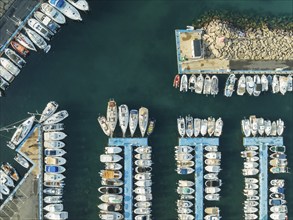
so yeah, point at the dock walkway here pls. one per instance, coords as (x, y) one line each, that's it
(263, 143)
(198, 144)
(128, 144)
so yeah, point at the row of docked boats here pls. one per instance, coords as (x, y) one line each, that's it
(278, 207)
(41, 27)
(190, 126)
(54, 169)
(278, 160)
(256, 84)
(206, 85)
(251, 158)
(251, 202)
(259, 127)
(8, 175)
(131, 119)
(185, 205)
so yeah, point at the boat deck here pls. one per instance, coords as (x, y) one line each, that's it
(263, 143)
(128, 143)
(198, 144)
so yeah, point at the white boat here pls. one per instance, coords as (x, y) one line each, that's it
(192, 82)
(250, 209)
(241, 85)
(184, 170)
(107, 158)
(25, 41)
(110, 215)
(250, 192)
(8, 65)
(54, 208)
(279, 208)
(185, 183)
(251, 148)
(211, 176)
(197, 126)
(213, 155)
(112, 116)
(6, 75)
(183, 157)
(184, 203)
(113, 166)
(123, 118)
(49, 110)
(15, 58)
(185, 217)
(283, 84)
(57, 117)
(54, 192)
(261, 126)
(55, 161)
(110, 207)
(67, 9)
(185, 190)
(212, 197)
(53, 199)
(251, 203)
(57, 184)
(199, 84)
(212, 162)
(47, 21)
(143, 150)
(113, 150)
(250, 172)
(252, 198)
(249, 85)
(184, 83)
(189, 126)
(133, 121)
(252, 159)
(181, 126)
(53, 13)
(143, 183)
(104, 125)
(4, 189)
(251, 186)
(203, 127)
(143, 156)
(143, 190)
(80, 4)
(22, 131)
(229, 86)
(265, 83)
(290, 83)
(143, 163)
(55, 152)
(111, 182)
(21, 160)
(142, 204)
(253, 125)
(275, 84)
(143, 198)
(248, 153)
(110, 190)
(248, 165)
(245, 124)
(214, 85)
(184, 210)
(274, 129)
(278, 216)
(142, 211)
(268, 127)
(211, 125)
(54, 136)
(183, 149)
(280, 127)
(5, 179)
(57, 215)
(212, 190)
(40, 29)
(186, 197)
(53, 177)
(213, 169)
(277, 182)
(218, 127)
(257, 85)
(54, 144)
(143, 217)
(207, 85)
(38, 40)
(143, 118)
(111, 198)
(250, 216)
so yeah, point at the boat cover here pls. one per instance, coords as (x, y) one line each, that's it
(52, 169)
(57, 3)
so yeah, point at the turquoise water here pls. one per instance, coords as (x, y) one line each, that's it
(126, 50)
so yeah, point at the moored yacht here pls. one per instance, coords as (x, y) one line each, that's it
(203, 127)
(57, 215)
(5, 179)
(38, 40)
(80, 4)
(57, 117)
(48, 111)
(249, 85)
(229, 86)
(47, 21)
(110, 207)
(36, 25)
(54, 152)
(53, 177)
(241, 85)
(54, 136)
(110, 215)
(257, 85)
(104, 125)
(211, 125)
(192, 82)
(283, 84)
(133, 121)
(214, 85)
(176, 81)
(143, 118)
(275, 84)
(207, 85)
(25, 41)
(54, 144)
(123, 118)
(67, 9)
(55, 161)
(20, 62)
(54, 208)
(184, 83)
(290, 83)
(106, 158)
(8, 65)
(54, 169)
(54, 192)
(19, 48)
(10, 171)
(218, 127)
(21, 160)
(22, 131)
(265, 83)
(112, 115)
(151, 126)
(197, 127)
(6, 75)
(280, 127)
(189, 126)
(199, 84)
(53, 13)
(268, 127)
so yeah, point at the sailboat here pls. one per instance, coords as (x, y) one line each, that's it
(49, 110)
(189, 125)
(184, 83)
(104, 125)
(214, 85)
(207, 85)
(123, 118)
(22, 130)
(241, 85)
(181, 126)
(38, 40)
(133, 121)
(229, 87)
(67, 9)
(112, 115)
(192, 82)
(143, 117)
(199, 84)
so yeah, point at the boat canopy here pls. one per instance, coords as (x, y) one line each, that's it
(108, 174)
(52, 169)
(57, 3)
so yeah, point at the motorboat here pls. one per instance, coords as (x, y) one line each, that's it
(241, 85)
(251, 203)
(143, 183)
(48, 111)
(185, 183)
(279, 170)
(268, 127)
(21, 160)
(113, 166)
(54, 207)
(56, 118)
(261, 126)
(40, 29)
(207, 85)
(280, 127)
(8, 65)
(54, 136)
(246, 127)
(213, 162)
(53, 13)
(7, 76)
(213, 169)
(113, 150)
(57, 215)
(143, 118)
(123, 118)
(20, 62)
(151, 126)
(251, 186)
(112, 116)
(143, 163)
(22, 131)
(80, 4)
(250, 216)
(55, 152)
(212, 197)
(19, 48)
(65, 8)
(176, 81)
(252, 198)
(57, 184)
(111, 174)
(278, 155)
(276, 162)
(192, 82)
(184, 210)
(211, 125)
(54, 192)
(214, 85)
(252, 159)
(278, 215)
(199, 84)
(290, 83)
(211, 176)
(53, 127)
(25, 41)
(212, 210)
(213, 155)
(250, 172)
(184, 83)
(111, 198)
(277, 196)
(110, 207)
(189, 125)
(37, 40)
(143, 150)
(110, 190)
(142, 211)
(184, 170)
(110, 215)
(181, 126)
(257, 85)
(53, 177)
(183, 149)
(47, 21)
(274, 129)
(185, 190)
(143, 156)
(104, 125)
(143, 198)
(185, 163)
(275, 84)
(133, 121)
(283, 84)
(229, 86)
(249, 85)
(250, 192)
(279, 208)
(278, 149)
(106, 158)
(197, 126)
(249, 165)
(186, 197)
(218, 127)
(277, 182)
(250, 209)
(183, 157)
(253, 125)
(185, 217)
(277, 202)
(213, 183)
(54, 169)
(5, 179)
(246, 153)
(111, 182)
(264, 83)
(142, 204)
(4, 189)
(203, 127)
(3, 86)
(54, 144)
(184, 203)
(53, 199)
(143, 190)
